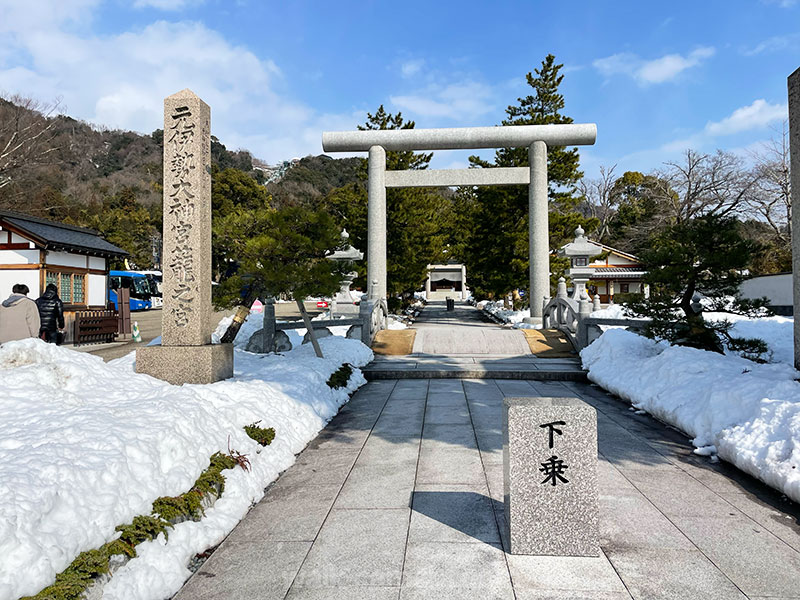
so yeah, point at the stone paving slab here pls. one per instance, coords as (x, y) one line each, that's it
(672, 575)
(357, 548)
(243, 570)
(386, 503)
(453, 570)
(453, 513)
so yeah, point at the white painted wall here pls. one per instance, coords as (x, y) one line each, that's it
(66, 259)
(97, 262)
(778, 288)
(97, 290)
(613, 259)
(18, 239)
(29, 277)
(19, 257)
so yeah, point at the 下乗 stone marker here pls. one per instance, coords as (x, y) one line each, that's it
(550, 472)
(186, 354)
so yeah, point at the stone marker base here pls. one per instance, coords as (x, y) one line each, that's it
(532, 320)
(551, 498)
(186, 364)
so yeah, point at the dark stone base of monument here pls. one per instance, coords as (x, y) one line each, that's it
(186, 364)
(550, 468)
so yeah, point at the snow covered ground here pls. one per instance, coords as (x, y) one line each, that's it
(510, 317)
(749, 413)
(86, 446)
(777, 332)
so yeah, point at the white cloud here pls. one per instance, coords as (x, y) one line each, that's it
(757, 115)
(774, 44)
(411, 67)
(458, 101)
(120, 80)
(169, 5)
(658, 70)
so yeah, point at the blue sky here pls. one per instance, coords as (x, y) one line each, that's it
(657, 78)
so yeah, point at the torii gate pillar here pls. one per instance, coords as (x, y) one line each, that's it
(538, 232)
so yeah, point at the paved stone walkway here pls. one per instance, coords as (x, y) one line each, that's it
(400, 497)
(464, 331)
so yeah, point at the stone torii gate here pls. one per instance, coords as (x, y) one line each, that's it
(534, 137)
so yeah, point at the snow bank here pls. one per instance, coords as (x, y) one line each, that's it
(777, 332)
(510, 317)
(612, 311)
(86, 446)
(749, 412)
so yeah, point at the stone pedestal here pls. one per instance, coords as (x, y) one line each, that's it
(186, 364)
(186, 354)
(550, 469)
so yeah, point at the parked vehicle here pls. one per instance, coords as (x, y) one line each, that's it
(154, 280)
(137, 283)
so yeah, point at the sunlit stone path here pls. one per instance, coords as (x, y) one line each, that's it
(401, 496)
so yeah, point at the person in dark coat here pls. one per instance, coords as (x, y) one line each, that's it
(51, 314)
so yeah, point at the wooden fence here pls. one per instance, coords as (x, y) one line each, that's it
(95, 326)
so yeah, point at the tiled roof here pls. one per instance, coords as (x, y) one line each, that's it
(58, 236)
(619, 271)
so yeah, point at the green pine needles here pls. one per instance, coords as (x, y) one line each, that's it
(71, 583)
(262, 435)
(340, 378)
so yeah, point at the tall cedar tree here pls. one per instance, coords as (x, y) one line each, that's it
(497, 249)
(693, 265)
(416, 219)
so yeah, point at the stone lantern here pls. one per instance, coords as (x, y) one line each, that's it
(344, 302)
(580, 252)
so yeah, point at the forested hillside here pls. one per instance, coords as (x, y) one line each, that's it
(56, 167)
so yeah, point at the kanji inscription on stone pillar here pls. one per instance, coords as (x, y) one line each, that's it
(186, 354)
(186, 261)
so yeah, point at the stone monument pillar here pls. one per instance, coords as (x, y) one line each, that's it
(550, 472)
(186, 354)
(538, 231)
(794, 168)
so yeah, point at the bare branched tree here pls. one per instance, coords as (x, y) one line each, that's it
(27, 134)
(599, 199)
(772, 194)
(703, 184)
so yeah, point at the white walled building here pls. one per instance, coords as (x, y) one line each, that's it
(612, 271)
(776, 287)
(36, 252)
(446, 280)
(617, 272)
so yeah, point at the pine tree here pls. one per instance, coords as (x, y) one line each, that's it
(273, 252)
(693, 266)
(416, 221)
(497, 249)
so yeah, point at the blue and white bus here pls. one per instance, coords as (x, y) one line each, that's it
(137, 283)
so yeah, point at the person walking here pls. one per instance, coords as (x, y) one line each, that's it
(19, 315)
(51, 314)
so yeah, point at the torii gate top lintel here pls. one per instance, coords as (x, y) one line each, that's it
(460, 138)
